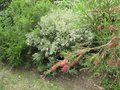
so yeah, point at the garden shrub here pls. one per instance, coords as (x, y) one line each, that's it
(57, 31)
(18, 19)
(104, 17)
(107, 27)
(12, 44)
(25, 14)
(92, 26)
(4, 4)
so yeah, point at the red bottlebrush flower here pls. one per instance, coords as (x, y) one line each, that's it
(96, 62)
(64, 68)
(62, 63)
(118, 62)
(58, 63)
(53, 68)
(65, 61)
(110, 62)
(73, 63)
(112, 28)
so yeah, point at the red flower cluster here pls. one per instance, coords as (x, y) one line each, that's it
(53, 68)
(64, 68)
(62, 64)
(110, 62)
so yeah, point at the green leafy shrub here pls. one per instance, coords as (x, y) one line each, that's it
(57, 31)
(66, 4)
(25, 14)
(12, 44)
(4, 4)
(18, 19)
(108, 26)
(104, 17)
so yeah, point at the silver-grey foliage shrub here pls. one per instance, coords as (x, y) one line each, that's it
(58, 31)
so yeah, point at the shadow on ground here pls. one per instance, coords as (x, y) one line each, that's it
(31, 80)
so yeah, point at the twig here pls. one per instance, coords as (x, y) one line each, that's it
(99, 47)
(87, 50)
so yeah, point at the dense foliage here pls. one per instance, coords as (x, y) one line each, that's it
(57, 31)
(18, 19)
(4, 4)
(63, 36)
(105, 60)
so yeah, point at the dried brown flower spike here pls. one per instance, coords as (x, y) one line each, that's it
(112, 28)
(118, 62)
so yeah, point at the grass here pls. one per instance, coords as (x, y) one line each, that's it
(24, 80)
